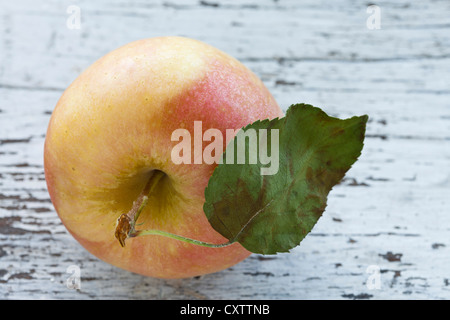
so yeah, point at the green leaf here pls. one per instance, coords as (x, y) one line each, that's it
(270, 213)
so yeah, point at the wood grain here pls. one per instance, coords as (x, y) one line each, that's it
(391, 212)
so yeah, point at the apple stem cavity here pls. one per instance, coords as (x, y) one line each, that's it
(126, 223)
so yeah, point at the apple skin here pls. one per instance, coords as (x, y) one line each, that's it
(112, 127)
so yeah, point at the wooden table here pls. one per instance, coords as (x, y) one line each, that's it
(386, 231)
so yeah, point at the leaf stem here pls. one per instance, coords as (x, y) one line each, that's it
(138, 233)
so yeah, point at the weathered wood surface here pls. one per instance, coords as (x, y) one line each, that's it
(391, 212)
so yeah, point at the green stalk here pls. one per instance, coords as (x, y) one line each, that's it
(138, 233)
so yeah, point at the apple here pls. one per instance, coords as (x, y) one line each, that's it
(111, 130)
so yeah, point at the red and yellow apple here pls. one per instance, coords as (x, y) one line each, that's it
(112, 128)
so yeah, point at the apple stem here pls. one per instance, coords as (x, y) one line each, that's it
(127, 221)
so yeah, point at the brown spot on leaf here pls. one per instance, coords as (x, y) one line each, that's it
(309, 174)
(319, 210)
(337, 132)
